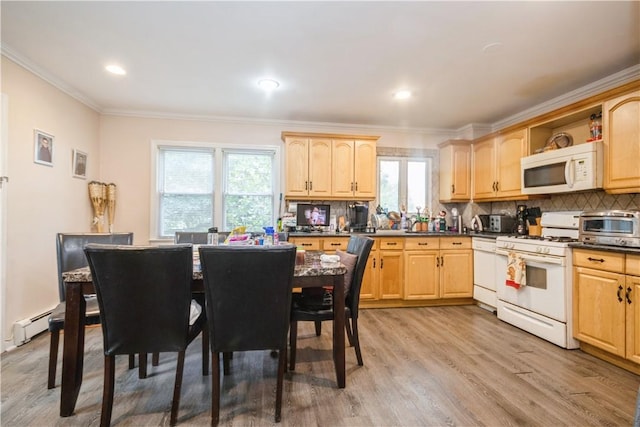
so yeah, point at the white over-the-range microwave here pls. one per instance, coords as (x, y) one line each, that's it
(575, 168)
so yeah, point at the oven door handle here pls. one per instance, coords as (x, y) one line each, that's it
(535, 258)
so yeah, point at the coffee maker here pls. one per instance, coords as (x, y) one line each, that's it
(522, 214)
(358, 216)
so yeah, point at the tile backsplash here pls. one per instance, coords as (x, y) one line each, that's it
(582, 201)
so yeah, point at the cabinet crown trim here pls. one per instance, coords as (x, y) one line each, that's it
(287, 134)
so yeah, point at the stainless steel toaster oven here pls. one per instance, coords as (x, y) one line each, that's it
(610, 227)
(502, 223)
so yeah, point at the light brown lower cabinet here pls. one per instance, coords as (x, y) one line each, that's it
(606, 309)
(438, 268)
(383, 274)
(409, 271)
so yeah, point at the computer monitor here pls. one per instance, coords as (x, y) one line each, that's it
(312, 215)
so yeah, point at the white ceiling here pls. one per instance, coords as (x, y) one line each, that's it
(338, 62)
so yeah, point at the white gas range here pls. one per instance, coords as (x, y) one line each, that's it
(544, 306)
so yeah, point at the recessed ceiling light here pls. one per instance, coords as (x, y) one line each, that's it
(268, 84)
(116, 69)
(402, 94)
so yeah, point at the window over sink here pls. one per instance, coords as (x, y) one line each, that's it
(404, 181)
(199, 185)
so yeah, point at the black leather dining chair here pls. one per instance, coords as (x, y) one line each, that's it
(144, 294)
(360, 246)
(70, 253)
(248, 293)
(195, 238)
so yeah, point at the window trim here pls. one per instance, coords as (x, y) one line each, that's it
(218, 148)
(402, 179)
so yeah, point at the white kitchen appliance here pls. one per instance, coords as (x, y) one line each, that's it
(575, 168)
(484, 272)
(544, 306)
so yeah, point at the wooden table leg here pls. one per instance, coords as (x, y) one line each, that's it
(73, 349)
(338, 329)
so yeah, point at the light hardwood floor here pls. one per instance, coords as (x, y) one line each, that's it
(456, 366)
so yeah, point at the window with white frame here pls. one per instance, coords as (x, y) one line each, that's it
(404, 181)
(248, 197)
(202, 185)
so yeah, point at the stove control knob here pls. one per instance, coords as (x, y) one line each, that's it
(622, 242)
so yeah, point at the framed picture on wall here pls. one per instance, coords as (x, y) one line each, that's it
(43, 148)
(79, 164)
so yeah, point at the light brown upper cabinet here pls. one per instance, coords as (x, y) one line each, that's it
(455, 170)
(329, 167)
(496, 166)
(354, 169)
(621, 129)
(307, 162)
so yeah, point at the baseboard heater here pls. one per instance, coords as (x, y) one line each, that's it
(26, 329)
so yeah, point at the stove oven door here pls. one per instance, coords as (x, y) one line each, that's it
(546, 289)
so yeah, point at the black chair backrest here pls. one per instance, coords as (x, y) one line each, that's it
(194, 237)
(248, 295)
(70, 250)
(361, 246)
(144, 294)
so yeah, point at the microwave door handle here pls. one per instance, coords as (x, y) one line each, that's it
(569, 172)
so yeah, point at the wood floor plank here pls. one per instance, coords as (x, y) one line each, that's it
(422, 366)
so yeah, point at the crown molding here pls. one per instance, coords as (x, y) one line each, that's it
(473, 131)
(620, 78)
(27, 64)
(470, 131)
(275, 122)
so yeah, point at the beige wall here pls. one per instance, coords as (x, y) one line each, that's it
(125, 153)
(42, 200)
(45, 200)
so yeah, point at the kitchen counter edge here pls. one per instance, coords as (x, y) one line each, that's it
(608, 248)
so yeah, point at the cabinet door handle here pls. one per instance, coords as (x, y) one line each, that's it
(374, 263)
(497, 185)
(619, 290)
(335, 244)
(628, 295)
(381, 263)
(356, 185)
(437, 261)
(453, 188)
(456, 243)
(423, 244)
(391, 243)
(306, 185)
(352, 186)
(310, 185)
(441, 261)
(596, 259)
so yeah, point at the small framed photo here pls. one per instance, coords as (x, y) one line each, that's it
(79, 164)
(43, 148)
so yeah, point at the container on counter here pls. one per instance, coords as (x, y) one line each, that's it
(212, 236)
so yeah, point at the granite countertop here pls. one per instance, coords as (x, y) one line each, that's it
(312, 266)
(608, 248)
(488, 234)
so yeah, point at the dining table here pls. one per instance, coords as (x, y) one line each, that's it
(312, 272)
